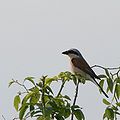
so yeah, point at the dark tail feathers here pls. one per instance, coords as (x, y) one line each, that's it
(101, 88)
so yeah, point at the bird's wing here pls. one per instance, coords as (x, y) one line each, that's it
(83, 65)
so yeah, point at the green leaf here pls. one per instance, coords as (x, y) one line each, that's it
(34, 89)
(36, 113)
(43, 118)
(34, 98)
(46, 98)
(49, 80)
(67, 97)
(40, 85)
(16, 102)
(108, 89)
(74, 79)
(67, 112)
(74, 107)
(106, 102)
(61, 75)
(65, 75)
(82, 79)
(22, 111)
(11, 82)
(102, 76)
(27, 97)
(79, 114)
(59, 101)
(117, 113)
(117, 90)
(32, 110)
(40, 118)
(117, 79)
(114, 108)
(107, 73)
(30, 79)
(109, 113)
(110, 84)
(48, 111)
(59, 117)
(50, 90)
(54, 105)
(118, 104)
(64, 111)
(101, 83)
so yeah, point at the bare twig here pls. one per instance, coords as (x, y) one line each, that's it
(75, 98)
(112, 68)
(3, 117)
(61, 88)
(16, 81)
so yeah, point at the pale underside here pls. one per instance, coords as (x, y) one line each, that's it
(82, 73)
(78, 71)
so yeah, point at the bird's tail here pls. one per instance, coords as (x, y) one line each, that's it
(100, 88)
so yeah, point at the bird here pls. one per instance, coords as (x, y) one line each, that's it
(81, 67)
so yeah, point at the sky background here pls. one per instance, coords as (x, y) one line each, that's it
(33, 33)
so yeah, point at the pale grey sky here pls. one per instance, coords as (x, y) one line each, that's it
(33, 33)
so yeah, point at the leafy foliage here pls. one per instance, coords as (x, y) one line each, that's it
(42, 103)
(113, 88)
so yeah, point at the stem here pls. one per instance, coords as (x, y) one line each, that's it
(61, 88)
(112, 68)
(3, 117)
(114, 95)
(115, 98)
(22, 86)
(43, 94)
(76, 94)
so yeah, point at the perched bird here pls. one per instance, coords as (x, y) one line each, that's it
(80, 66)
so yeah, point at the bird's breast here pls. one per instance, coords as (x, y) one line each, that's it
(79, 71)
(75, 69)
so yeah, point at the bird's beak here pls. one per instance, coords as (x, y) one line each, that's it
(65, 52)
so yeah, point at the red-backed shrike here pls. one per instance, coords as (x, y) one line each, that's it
(80, 66)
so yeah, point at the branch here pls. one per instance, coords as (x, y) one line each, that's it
(3, 117)
(43, 93)
(76, 94)
(61, 88)
(112, 68)
(21, 85)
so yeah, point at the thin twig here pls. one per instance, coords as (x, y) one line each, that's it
(3, 117)
(75, 98)
(22, 86)
(114, 96)
(112, 68)
(61, 88)
(43, 91)
(43, 94)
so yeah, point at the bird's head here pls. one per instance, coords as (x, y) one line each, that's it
(72, 53)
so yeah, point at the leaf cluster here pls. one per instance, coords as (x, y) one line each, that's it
(113, 88)
(40, 101)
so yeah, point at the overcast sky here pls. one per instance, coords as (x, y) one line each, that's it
(33, 33)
